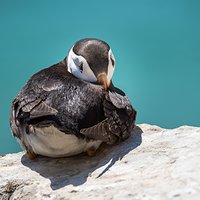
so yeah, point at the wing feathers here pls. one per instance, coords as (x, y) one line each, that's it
(42, 109)
(119, 122)
(30, 105)
(100, 131)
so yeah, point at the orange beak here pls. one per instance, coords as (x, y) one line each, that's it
(103, 80)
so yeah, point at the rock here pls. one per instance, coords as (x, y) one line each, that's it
(154, 163)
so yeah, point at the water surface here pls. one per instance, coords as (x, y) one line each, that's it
(156, 44)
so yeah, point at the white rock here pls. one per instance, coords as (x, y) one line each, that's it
(156, 164)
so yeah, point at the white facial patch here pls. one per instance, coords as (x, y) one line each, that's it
(78, 66)
(111, 64)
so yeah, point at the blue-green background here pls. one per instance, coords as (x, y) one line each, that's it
(156, 45)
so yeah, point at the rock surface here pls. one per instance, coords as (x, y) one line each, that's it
(154, 163)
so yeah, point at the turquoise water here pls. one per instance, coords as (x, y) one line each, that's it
(156, 45)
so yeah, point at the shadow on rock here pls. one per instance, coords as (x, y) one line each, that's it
(75, 170)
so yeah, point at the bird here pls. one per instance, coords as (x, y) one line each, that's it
(72, 107)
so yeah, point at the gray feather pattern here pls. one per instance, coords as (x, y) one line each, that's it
(42, 109)
(73, 104)
(101, 132)
(118, 100)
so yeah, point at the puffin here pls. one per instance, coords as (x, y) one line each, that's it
(73, 107)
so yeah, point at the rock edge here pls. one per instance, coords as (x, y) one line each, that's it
(154, 163)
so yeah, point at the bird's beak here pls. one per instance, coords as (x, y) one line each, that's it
(103, 80)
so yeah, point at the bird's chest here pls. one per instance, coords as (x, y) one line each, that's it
(49, 141)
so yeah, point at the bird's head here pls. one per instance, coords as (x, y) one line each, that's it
(92, 60)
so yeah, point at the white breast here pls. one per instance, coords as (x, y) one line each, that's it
(50, 141)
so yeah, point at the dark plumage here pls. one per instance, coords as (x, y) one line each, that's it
(55, 97)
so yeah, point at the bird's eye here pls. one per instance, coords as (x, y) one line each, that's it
(81, 67)
(112, 61)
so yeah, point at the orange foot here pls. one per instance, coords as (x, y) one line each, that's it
(91, 151)
(31, 155)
